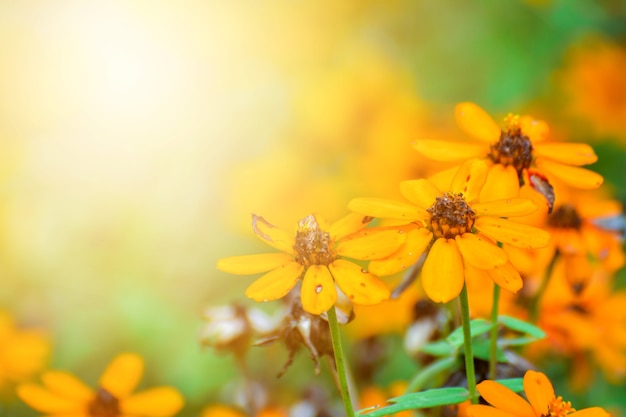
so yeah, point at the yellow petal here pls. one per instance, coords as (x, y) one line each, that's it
(440, 150)
(276, 283)
(536, 130)
(567, 153)
(516, 234)
(44, 401)
(253, 264)
(476, 122)
(417, 241)
(442, 273)
(502, 182)
(122, 375)
(272, 235)
(480, 252)
(576, 177)
(509, 207)
(357, 284)
(318, 291)
(67, 386)
(480, 410)
(420, 192)
(375, 243)
(387, 209)
(504, 399)
(539, 391)
(469, 179)
(507, 277)
(347, 225)
(155, 402)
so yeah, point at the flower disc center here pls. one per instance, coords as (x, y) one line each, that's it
(313, 246)
(559, 408)
(104, 405)
(451, 216)
(565, 217)
(513, 147)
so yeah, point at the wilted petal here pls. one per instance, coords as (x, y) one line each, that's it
(318, 292)
(479, 252)
(387, 209)
(516, 234)
(476, 122)
(440, 150)
(276, 283)
(375, 243)
(272, 235)
(357, 284)
(253, 264)
(442, 273)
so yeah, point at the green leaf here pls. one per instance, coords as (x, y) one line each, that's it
(438, 348)
(425, 399)
(521, 326)
(516, 341)
(477, 327)
(482, 350)
(514, 384)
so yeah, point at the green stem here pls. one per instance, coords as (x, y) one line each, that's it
(536, 300)
(427, 373)
(493, 335)
(340, 362)
(467, 342)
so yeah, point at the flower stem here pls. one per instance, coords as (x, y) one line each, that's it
(467, 342)
(493, 335)
(427, 373)
(340, 362)
(536, 300)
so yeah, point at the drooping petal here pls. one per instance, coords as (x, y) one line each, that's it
(536, 130)
(417, 241)
(539, 391)
(318, 291)
(469, 179)
(480, 410)
(272, 235)
(476, 122)
(276, 283)
(44, 401)
(155, 402)
(502, 182)
(357, 284)
(507, 277)
(122, 375)
(504, 399)
(480, 252)
(440, 150)
(67, 386)
(442, 273)
(347, 225)
(509, 207)
(516, 234)
(420, 192)
(576, 177)
(567, 153)
(375, 243)
(387, 209)
(253, 264)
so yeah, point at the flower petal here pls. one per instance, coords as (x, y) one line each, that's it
(508, 207)
(590, 412)
(469, 179)
(155, 402)
(536, 130)
(253, 264)
(476, 122)
(440, 150)
(272, 235)
(539, 391)
(276, 283)
(387, 209)
(480, 410)
(576, 177)
(375, 243)
(502, 182)
(122, 375)
(442, 273)
(516, 234)
(358, 285)
(318, 292)
(420, 192)
(67, 386)
(479, 252)
(504, 399)
(507, 277)
(566, 153)
(44, 401)
(347, 225)
(417, 241)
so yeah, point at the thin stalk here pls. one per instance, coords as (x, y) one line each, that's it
(426, 374)
(340, 362)
(493, 335)
(536, 300)
(467, 343)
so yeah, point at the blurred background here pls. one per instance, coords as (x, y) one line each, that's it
(136, 137)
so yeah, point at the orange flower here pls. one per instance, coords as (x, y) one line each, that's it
(456, 230)
(541, 402)
(64, 395)
(316, 254)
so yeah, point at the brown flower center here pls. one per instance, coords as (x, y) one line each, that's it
(451, 216)
(513, 147)
(313, 246)
(559, 408)
(565, 217)
(104, 405)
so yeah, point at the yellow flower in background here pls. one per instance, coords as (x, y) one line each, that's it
(22, 352)
(456, 230)
(316, 254)
(541, 401)
(64, 395)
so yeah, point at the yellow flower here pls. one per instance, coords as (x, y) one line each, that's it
(63, 395)
(541, 402)
(460, 230)
(315, 254)
(22, 352)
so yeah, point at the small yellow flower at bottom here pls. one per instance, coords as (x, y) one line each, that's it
(542, 401)
(64, 395)
(315, 254)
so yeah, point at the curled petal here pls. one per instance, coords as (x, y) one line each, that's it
(122, 375)
(253, 264)
(536, 130)
(479, 252)
(476, 122)
(276, 283)
(375, 243)
(347, 225)
(442, 273)
(507, 277)
(318, 291)
(567, 153)
(440, 150)
(387, 209)
(539, 391)
(576, 177)
(504, 399)
(416, 243)
(357, 284)
(272, 235)
(508, 207)
(516, 234)
(469, 179)
(420, 192)
(155, 402)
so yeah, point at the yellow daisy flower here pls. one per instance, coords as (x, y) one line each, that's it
(316, 254)
(457, 231)
(63, 395)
